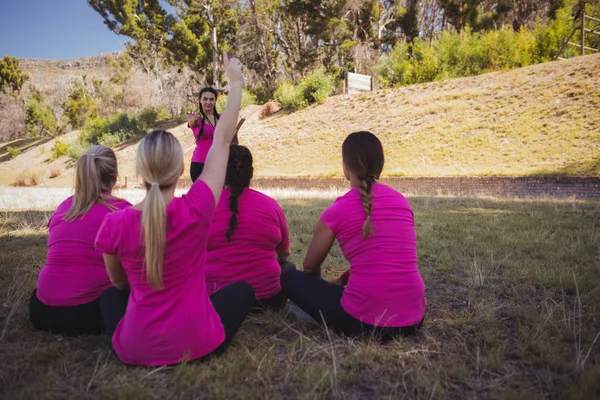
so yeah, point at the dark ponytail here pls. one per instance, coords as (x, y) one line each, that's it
(363, 155)
(238, 176)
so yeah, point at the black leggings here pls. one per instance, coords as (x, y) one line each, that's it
(83, 319)
(232, 303)
(321, 300)
(195, 170)
(274, 303)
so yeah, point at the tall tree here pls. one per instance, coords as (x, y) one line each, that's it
(11, 76)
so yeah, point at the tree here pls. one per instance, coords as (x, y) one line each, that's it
(460, 13)
(11, 76)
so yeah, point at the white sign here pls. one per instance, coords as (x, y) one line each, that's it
(359, 83)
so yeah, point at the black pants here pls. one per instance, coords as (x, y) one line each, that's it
(232, 303)
(321, 300)
(274, 303)
(195, 170)
(83, 319)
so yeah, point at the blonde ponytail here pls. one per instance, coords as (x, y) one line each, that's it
(95, 173)
(154, 225)
(160, 163)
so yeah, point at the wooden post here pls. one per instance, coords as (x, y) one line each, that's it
(583, 34)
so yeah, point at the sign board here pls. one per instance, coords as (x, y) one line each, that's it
(359, 83)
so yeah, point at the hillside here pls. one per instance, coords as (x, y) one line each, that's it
(539, 120)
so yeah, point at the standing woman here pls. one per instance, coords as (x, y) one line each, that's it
(203, 127)
(158, 249)
(375, 228)
(249, 238)
(74, 276)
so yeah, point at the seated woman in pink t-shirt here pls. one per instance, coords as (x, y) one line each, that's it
(74, 276)
(157, 249)
(375, 228)
(249, 238)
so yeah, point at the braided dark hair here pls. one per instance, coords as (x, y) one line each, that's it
(204, 117)
(362, 154)
(238, 176)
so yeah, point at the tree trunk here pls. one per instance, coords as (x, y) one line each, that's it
(215, 60)
(263, 49)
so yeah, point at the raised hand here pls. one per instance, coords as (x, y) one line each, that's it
(233, 70)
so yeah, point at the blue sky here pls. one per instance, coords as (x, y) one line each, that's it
(54, 29)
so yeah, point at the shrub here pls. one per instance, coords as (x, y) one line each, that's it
(80, 107)
(59, 149)
(12, 118)
(55, 171)
(290, 96)
(248, 98)
(76, 150)
(269, 108)
(13, 152)
(317, 86)
(146, 120)
(27, 178)
(162, 114)
(39, 118)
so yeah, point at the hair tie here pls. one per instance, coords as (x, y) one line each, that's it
(92, 154)
(155, 184)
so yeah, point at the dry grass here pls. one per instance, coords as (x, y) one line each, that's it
(513, 297)
(28, 178)
(55, 171)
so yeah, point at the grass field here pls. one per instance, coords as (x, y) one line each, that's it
(513, 312)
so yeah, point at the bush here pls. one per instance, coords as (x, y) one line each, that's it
(269, 108)
(39, 118)
(76, 150)
(162, 114)
(248, 98)
(27, 178)
(12, 118)
(317, 86)
(55, 171)
(59, 149)
(13, 152)
(290, 96)
(145, 121)
(80, 107)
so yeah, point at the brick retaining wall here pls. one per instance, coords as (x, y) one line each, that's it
(557, 187)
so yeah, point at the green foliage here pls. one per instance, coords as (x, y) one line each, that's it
(80, 106)
(162, 114)
(248, 98)
(13, 151)
(290, 96)
(59, 149)
(455, 55)
(314, 88)
(39, 118)
(117, 128)
(76, 149)
(11, 76)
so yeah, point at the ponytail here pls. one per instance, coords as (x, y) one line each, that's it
(365, 190)
(233, 207)
(154, 225)
(95, 173)
(238, 176)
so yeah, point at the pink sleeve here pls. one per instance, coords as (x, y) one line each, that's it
(329, 217)
(201, 200)
(284, 244)
(106, 240)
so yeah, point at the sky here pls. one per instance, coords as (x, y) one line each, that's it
(54, 29)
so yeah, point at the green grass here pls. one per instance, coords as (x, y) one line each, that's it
(513, 296)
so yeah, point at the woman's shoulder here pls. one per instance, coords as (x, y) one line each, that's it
(260, 197)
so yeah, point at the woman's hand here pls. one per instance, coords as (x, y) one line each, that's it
(233, 70)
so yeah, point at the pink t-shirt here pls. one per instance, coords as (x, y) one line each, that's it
(385, 287)
(203, 144)
(74, 272)
(178, 322)
(250, 256)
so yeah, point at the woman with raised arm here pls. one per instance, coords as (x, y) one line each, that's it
(74, 276)
(249, 238)
(375, 228)
(158, 249)
(203, 126)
